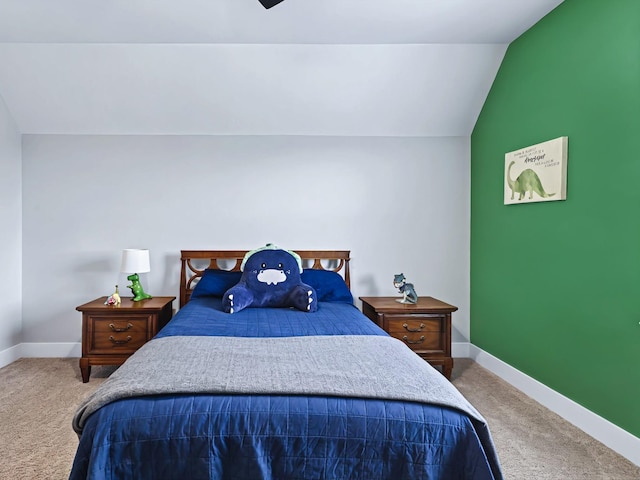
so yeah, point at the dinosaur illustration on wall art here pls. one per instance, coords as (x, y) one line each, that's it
(527, 181)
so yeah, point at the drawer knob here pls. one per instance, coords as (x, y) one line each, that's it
(119, 342)
(116, 329)
(413, 342)
(419, 329)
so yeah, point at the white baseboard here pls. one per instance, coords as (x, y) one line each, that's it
(10, 355)
(49, 350)
(605, 432)
(460, 349)
(41, 350)
(611, 435)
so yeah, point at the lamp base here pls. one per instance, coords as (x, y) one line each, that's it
(136, 288)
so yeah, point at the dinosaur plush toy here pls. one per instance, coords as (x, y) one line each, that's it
(270, 278)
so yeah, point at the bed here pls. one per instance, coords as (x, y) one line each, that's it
(277, 393)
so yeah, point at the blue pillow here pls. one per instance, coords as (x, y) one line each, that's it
(214, 283)
(329, 286)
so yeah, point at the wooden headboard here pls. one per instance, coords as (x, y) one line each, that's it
(195, 262)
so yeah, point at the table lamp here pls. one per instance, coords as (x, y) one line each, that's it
(135, 261)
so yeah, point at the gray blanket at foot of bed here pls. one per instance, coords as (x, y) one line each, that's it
(360, 366)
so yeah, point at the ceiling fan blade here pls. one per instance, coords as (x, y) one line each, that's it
(270, 3)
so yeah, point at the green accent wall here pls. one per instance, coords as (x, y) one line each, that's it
(555, 286)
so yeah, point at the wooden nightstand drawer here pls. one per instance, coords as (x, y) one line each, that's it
(118, 334)
(421, 342)
(413, 323)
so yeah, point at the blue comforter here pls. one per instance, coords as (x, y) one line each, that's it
(203, 316)
(276, 436)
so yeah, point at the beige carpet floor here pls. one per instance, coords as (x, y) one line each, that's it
(38, 398)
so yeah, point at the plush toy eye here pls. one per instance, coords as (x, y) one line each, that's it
(264, 265)
(280, 266)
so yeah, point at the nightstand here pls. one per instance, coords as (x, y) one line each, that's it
(425, 326)
(111, 334)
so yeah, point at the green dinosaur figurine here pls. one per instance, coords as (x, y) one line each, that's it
(136, 288)
(527, 181)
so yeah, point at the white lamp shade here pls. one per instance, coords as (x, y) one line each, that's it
(135, 260)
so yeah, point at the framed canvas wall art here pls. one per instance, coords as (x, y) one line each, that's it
(537, 173)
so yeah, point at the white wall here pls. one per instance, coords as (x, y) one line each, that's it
(11, 237)
(399, 204)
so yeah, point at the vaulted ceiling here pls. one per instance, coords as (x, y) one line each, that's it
(316, 67)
